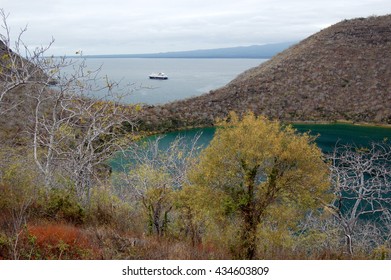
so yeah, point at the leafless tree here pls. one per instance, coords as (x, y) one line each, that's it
(19, 65)
(321, 234)
(77, 116)
(74, 132)
(154, 173)
(361, 184)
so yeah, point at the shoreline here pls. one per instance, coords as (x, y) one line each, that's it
(340, 122)
(367, 124)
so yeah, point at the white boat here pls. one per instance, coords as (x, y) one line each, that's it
(158, 76)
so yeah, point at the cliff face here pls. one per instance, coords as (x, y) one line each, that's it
(341, 73)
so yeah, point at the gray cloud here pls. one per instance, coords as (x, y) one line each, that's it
(139, 26)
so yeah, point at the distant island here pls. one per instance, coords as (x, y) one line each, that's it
(255, 51)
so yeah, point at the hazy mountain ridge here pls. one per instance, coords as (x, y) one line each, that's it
(340, 73)
(255, 51)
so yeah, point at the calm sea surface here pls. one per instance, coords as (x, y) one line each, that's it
(186, 77)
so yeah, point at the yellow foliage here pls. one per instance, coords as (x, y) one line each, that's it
(261, 169)
(19, 181)
(108, 209)
(199, 211)
(5, 56)
(138, 107)
(279, 155)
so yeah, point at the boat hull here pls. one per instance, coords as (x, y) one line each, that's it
(158, 78)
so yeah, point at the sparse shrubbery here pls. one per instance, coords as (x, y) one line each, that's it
(106, 209)
(203, 223)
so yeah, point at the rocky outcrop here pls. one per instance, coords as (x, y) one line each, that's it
(341, 73)
(3, 47)
(14, 64)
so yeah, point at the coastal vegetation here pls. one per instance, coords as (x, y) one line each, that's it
(260, 190)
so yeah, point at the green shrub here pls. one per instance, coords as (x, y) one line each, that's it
(62, 204)
(4, 246)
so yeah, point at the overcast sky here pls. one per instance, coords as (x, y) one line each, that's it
(148, 26)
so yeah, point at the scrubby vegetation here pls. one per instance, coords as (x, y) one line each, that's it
(339, 73)
(267, 196)
(259, 191)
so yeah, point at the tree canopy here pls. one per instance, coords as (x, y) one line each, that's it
(255, 164)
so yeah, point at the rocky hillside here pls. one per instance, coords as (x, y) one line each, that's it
(341, 73)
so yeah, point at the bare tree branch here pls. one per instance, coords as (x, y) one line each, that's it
(362, 185)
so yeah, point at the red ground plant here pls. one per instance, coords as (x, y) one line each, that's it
(59, 241)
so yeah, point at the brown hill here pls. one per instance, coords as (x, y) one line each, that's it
(341, 73)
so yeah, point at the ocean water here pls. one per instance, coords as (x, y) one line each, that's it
(187, 77)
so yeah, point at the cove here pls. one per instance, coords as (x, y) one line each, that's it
(328, 136)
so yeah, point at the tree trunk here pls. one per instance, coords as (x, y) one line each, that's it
(248, 237)
(349, 246)
(250, 218)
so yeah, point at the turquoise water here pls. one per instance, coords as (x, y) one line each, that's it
(328, 136)
(333, 134)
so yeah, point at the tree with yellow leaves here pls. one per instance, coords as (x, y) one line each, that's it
(257, 165)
